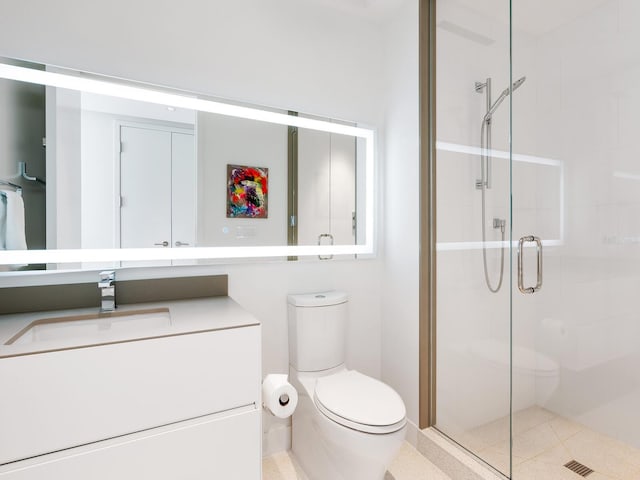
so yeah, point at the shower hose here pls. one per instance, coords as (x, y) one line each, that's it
(484, 158)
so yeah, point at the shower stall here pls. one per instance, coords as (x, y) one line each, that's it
(537, 239)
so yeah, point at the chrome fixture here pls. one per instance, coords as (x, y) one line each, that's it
(107, 286)
(485, 131)
(484, 182)
(505, 93)
(538, 242)
(22, 166)
(330, 238)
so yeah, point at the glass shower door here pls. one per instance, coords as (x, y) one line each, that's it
(576, 173)
(473, 249)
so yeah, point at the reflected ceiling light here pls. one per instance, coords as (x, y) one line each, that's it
(145, 94)
(626, 175)
(517, 157)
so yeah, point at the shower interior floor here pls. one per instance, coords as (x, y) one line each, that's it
(544, 442)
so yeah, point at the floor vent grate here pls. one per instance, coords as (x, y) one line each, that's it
(578, 468)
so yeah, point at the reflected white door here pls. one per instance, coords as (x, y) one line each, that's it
(326, 186)
(184, 188)
(157, 188)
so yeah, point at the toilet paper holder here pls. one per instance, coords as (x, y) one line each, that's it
(278, 396)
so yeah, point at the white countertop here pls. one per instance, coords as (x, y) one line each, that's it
(187, 316)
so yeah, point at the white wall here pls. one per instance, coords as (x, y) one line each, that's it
(401, 198)
(271, 52)
(284, 53)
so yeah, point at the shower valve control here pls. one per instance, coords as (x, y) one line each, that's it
(499, 223)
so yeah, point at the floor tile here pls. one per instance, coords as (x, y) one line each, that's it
(535, 470)
(532, 442)
(281, 466)
(602, 454)
(409, 464)
(544, 442)
(529, 418)
(564, 428)
(487, 435)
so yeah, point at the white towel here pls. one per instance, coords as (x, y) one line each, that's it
(12, 236)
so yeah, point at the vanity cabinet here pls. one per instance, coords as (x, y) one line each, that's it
(180, 406)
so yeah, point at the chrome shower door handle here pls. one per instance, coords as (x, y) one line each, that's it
(538, 242)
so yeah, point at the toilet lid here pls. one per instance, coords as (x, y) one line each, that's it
(360, 402)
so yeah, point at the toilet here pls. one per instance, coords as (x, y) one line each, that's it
(347, 426)
(528, 368)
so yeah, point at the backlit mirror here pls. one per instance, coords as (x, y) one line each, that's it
(110, 173)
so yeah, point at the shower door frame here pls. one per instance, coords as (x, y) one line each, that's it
(428, 231)
(427, 260)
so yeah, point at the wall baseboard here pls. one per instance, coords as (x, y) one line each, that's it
(412, 434)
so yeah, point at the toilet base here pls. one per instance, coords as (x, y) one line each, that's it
(328, 451)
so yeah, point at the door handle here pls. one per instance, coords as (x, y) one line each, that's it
(320, 237)
(181, 244)
(538, 242)
(162, 244)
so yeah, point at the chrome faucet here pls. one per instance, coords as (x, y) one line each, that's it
(107, 286)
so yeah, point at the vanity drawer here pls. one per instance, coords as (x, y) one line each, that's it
(216, 446)
(57, 400)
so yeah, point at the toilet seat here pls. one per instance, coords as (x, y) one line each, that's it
(359, 402)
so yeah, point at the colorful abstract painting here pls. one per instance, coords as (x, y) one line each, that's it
(247, 191)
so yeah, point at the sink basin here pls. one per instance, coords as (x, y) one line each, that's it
(92, 326)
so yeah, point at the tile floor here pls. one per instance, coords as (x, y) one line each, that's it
(408, 465)
(543, 442)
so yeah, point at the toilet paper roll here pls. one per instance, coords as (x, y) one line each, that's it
(279, 396)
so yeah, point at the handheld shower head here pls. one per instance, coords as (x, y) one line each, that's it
(517, 83)
(503, 95)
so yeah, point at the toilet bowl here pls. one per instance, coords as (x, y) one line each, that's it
(347, 426)
(527, 366)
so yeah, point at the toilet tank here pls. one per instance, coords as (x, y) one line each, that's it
(317, 330)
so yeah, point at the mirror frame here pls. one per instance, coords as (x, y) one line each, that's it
(172, 98)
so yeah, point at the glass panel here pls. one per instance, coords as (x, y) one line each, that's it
(138, 172)
(473, 282)
(576, 382)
